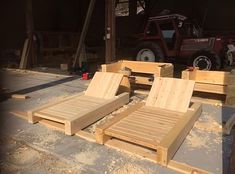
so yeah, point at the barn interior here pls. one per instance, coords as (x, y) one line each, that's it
(51, 50)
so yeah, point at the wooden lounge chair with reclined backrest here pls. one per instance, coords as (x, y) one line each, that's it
(161, 123)
(81, 110)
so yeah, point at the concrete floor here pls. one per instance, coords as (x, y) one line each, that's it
(27, 148)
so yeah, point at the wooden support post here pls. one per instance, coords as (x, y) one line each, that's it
(132, 7)
(84, 32)
(29, 46)
(110, 32)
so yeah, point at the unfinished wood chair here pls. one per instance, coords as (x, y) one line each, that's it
(80, 110)
(161, 123)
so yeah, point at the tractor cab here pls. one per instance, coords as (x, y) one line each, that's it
(172, 37)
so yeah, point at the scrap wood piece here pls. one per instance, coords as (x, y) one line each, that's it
(81, 110)
(19, 96)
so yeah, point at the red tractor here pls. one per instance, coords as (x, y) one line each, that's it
(170, 37)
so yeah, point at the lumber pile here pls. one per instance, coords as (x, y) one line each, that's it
(218, 82)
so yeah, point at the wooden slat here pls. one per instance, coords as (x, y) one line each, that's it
(152, 130)
(100, 136)
(104, 85)
(25, 54)
(155, 120)
(136, 131)
(160, 111)
(50, 117)
(210, 77)
(171, 94)
(131, 137)
(211, 88)
(144, 67)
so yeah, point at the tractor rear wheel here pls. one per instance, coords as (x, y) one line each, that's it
(149, 52)
(206, 60)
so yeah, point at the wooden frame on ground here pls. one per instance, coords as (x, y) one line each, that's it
(218, 82)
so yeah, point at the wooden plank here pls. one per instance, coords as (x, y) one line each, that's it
(42, 115)
(133, 149)
(138, 129)
(25, 54)
(100, 136)
(211, 77)
(144, 67)
(19, 96)
(166, 71)
(165, 94)
(143, 80)
(188, 75)
(150, 155)
(146, 124)
(104, 85)
(79, 122)
(171, 142)
(211, 88)
(112, 67)
(185, 168)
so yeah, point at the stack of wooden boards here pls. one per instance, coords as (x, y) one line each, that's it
(81, 110)
(138, 72)
(218, 82)
(162, 123)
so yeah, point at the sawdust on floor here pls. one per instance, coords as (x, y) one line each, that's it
(23, 156)
(130, 168)
(199, 137)
(87, 157)
(208, 123)
(195, 140)
(47, 138)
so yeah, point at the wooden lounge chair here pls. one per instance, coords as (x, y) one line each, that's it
(161, 123)
(80, 110)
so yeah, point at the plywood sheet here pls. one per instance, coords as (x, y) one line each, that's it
(171, 94)
(104, 85)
